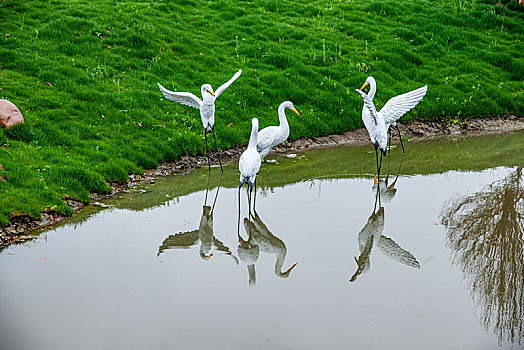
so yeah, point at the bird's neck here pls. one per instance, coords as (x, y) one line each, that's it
(253, 138)
(207, 97)
(372, 90)
(282, 118)
(281, 256)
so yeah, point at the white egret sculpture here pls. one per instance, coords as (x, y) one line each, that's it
(378, 123)
(206, 107)
(274, 135)
(249, 163)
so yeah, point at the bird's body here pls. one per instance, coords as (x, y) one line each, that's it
(376, 128)
(378, 123)
(250, 160)
(206, 105)
(271, 136)
(207, 113)
(373, 121)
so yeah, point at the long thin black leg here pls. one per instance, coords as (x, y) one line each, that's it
(389, 142)
(251, 196)
(207, 188)
(216, 194)
(248, 199)
(389, 157)
(218, 152)
(398, 171)
(379, 166)
(238, 225)
(379, 200)
(255, 199)
(376, 158)
(400, 136)
(207, 153)
(376, 199)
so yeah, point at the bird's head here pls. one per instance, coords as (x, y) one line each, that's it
(254, 123)
(369, 81)
(286, 274)
(289, 104)
(207, 90)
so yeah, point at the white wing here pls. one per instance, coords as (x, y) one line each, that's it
(392, 250)
(266, 137)
(401, 104)
(227, 83)
(369, 104)
(185, 98)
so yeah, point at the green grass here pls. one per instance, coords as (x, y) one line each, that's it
(84, 75)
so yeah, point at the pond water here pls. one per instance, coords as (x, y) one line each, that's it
(435, 263)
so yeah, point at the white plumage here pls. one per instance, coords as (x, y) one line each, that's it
(401, 104)
(274, 135)
(206, 105)
(374, 123)
(378, 123)
(250, 160)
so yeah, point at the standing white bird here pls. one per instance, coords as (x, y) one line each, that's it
(206, 107)
(378, 123)
(273, 135)
(249, 163)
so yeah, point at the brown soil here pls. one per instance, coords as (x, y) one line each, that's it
(24, 227)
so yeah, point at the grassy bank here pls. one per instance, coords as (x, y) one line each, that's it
(84, 75)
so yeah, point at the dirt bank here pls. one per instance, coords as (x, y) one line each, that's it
(23, 227)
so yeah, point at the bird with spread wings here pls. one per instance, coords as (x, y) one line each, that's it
(206, 107)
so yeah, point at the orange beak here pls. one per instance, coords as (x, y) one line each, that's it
(365, 84)
(291, 268)
(294, 110)
(375, 180)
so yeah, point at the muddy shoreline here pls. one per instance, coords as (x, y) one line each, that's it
(24, 227)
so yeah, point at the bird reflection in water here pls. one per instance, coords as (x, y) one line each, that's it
(387, 191)
(204, 234)
(485, 235)
(261, 239)
(371, 234)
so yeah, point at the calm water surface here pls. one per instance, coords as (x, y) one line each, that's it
(436, 263)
